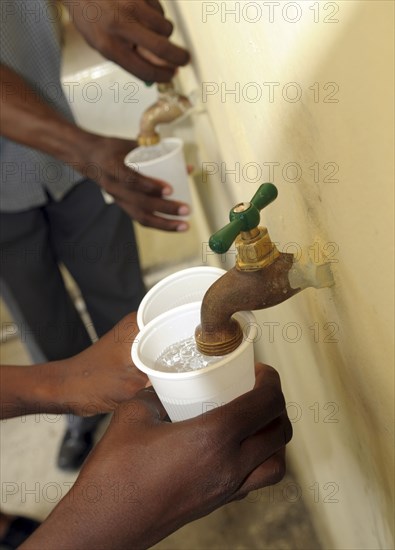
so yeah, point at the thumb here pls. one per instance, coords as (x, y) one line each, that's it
(150, 405)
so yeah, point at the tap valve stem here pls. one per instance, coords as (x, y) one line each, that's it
(255, 250)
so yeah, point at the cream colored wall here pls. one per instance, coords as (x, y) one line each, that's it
(334, 347)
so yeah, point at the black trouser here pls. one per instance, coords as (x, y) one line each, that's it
(96, 243)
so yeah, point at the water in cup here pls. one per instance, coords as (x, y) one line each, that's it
(183, 356)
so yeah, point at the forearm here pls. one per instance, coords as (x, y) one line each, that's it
(33, 389)
(89, 507)
(27, 119)
(112, 509)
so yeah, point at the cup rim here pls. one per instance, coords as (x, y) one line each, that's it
(160, 319)
(137, 165)
(158, 286)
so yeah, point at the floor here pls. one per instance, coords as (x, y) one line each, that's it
(270, 519)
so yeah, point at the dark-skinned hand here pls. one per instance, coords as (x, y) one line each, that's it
(132, 33)
(147, 477)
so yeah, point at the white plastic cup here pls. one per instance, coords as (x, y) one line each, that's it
(164, 161)
(189, 394)
(183, 287)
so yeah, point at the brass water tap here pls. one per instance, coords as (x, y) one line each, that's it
(262, 277)
(170, 106)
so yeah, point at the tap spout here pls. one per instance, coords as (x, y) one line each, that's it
(169, 106)
(218, 333)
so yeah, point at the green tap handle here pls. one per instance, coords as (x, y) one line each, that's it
(243, 217)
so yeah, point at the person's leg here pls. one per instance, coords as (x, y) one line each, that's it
(50, 326)
(14, 530)
(33, 289)
(96, 242)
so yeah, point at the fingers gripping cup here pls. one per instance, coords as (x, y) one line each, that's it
(164, 161)
(188, 385)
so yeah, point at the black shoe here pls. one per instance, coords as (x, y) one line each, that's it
(18, 531)
(74, 449)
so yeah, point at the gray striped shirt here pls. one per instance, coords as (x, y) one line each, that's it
(30, 45)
